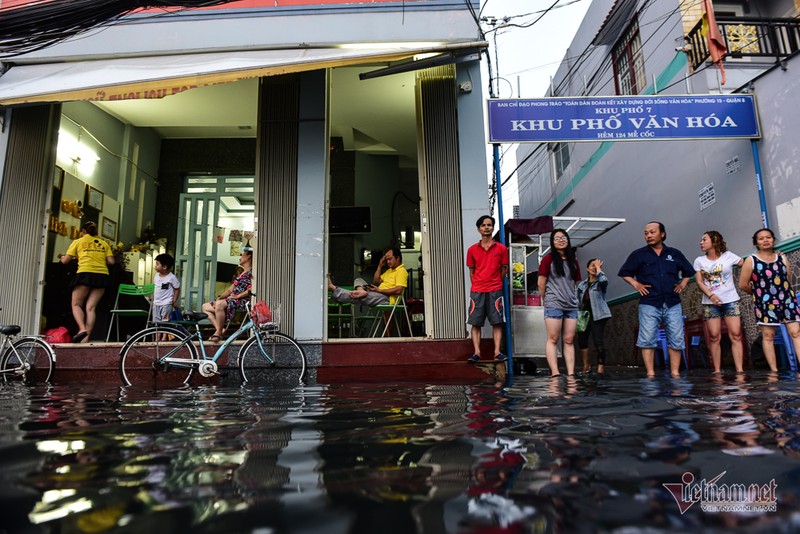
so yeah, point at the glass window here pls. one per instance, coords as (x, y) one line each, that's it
(561, 157)
(628, 60)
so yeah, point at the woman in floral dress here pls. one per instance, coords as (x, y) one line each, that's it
(222, 310)
(767, 276)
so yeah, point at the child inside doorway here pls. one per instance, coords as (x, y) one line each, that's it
(168, 288)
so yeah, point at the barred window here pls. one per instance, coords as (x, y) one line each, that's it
(628, 60)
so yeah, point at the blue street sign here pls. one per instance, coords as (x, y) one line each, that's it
(623, 118)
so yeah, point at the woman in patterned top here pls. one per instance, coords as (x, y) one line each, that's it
(222, 310)
(714, 277)
(767, 275)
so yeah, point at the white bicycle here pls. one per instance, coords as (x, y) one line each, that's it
(26, 358)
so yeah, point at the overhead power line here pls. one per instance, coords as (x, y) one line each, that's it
(29, 27)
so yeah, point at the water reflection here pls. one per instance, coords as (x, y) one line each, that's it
(587, 453)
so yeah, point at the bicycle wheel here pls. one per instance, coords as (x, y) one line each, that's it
(28, 358)
(277, 358)
(141, 358)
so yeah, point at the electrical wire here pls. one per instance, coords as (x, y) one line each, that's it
(601, 69)
(585, 54)
(542, 13)
(590, 49)
(591, 86)
(475, 16)
(480, 13)
(492, 82)
(666, 18)
(537, 19)
(663, 20)
(543, 10)
(585, 57)
(37, 25)
(506, 25)
(581, 58)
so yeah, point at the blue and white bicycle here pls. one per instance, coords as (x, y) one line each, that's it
(171, 349)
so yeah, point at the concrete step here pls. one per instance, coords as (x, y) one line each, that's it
(336, 361)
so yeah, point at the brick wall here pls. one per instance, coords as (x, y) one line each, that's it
(692, 12)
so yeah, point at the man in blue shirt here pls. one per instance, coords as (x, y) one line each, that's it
(659, 273)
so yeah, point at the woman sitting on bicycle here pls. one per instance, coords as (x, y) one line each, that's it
(222, 310)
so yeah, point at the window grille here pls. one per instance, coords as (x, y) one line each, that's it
(628, 61)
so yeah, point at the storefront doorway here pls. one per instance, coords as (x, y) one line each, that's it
(374, 192)
(215, 220)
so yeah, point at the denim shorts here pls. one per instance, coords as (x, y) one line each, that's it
(651, 318)
(558, 313)
(729, 309)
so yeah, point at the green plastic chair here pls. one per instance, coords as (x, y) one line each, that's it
(145, 291)
(341, 313)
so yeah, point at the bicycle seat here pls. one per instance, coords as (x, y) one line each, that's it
(194, 316)
(10, 329)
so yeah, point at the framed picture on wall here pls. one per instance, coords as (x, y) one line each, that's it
(95, 199)
(109, 229)
(58, 177)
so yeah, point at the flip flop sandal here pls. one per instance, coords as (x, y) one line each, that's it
(77, 338)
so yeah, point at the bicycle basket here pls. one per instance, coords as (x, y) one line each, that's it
(265, 316)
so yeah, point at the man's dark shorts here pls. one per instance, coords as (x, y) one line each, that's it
(484, 306)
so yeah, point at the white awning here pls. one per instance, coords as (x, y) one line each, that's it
(160, 76)
(581, 230)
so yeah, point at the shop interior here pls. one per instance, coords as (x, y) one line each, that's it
(176, 175)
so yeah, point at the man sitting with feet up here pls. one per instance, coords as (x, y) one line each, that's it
(390, 280)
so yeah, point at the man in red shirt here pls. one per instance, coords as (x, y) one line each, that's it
(487, 261)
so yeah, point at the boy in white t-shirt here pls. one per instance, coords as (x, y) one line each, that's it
(168, 287)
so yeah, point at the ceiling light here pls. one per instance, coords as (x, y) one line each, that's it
(75, 152)
(418, 57)
(401, 45)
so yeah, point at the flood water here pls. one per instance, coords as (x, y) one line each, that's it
(584, 454)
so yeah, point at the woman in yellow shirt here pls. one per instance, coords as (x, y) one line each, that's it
(94, 256)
